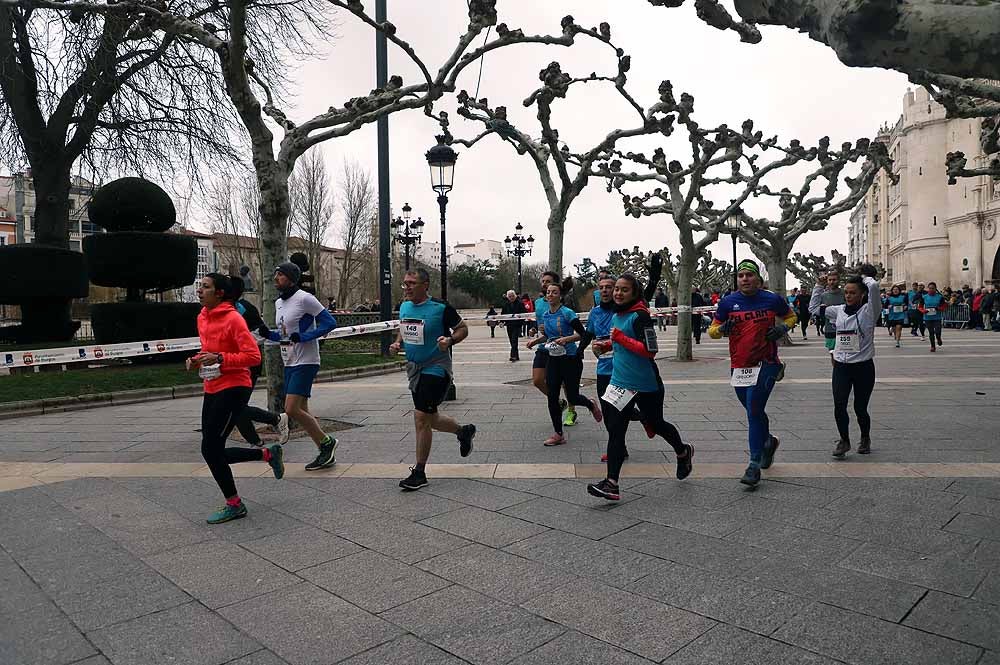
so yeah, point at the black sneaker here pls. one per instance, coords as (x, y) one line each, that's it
(414, 481)
(751, 476)
(865, 447)
(684, 464)
(769, 449)
(604, 490)
(842, 447)
(326, 457)
(465, 435)
(277, 461)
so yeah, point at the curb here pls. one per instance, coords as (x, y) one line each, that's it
(95, 401)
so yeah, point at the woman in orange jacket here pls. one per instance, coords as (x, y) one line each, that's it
(228, 350)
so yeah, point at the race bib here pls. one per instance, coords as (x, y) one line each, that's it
(931, 311)
(555, 350)
(897, 309)
(209, 372)
(286, 352)
(848, 341)
(413, 332)
(618, 397)
(744, 377)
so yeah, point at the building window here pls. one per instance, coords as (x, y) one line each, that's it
(3, 240)
(74, 245)
(920, 170)
(935, 220)
(72, 204)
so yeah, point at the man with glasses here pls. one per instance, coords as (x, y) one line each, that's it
(428, 329)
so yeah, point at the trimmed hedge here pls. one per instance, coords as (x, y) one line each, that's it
(30, 272)
(141, 260)
(42, 320)
(116, 322)
(132, 204)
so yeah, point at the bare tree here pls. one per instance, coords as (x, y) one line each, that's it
(358, 210)
(312, 207)
(233, 208)
(563, 173)
(810, 207)
(105, 90)
(712, 273)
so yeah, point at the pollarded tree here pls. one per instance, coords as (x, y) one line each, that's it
(810, 208)
(563, 172)
(712, 273)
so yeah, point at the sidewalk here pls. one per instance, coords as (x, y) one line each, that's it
(504, 558)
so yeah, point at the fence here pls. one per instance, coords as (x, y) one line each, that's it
(956, 316)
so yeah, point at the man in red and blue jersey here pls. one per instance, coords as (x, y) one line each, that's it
(754, 319)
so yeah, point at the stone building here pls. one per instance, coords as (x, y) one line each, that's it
(921, 228)
(17, 196)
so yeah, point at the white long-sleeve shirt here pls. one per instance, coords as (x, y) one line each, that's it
(861, 322)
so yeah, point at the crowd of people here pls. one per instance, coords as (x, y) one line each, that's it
(620, 332)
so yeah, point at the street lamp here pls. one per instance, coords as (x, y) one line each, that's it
(734, 228)
(441, 159)
(407, 233)
(519, 246)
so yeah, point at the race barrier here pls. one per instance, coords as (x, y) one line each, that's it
(92, 352)
(656, 311)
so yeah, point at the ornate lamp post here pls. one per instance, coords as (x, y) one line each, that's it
(441, 158)
(407, 233)
(734, 227)
(519, 246)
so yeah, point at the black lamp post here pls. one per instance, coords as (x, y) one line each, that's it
(519, 246)
(734, 225)
(407, 233)
(441, 158)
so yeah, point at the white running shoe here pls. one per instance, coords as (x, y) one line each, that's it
(283, 429)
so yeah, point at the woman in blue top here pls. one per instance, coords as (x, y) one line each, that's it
(560, 330)
(635, 380)
(932, 306)
(898, 304)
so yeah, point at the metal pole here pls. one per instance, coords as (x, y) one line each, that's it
(384, 242)
(520, 284)
(735, 287)
(443, 202)
(406, 249)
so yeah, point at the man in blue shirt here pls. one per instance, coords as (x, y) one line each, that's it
(914, 297)
(428, 329)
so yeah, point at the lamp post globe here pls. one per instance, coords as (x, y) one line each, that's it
(734, 226)
(441, 159)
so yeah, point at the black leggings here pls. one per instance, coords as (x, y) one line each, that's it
(513, 332)
(804, 322)
(934, 328)
(252, 414)
(860, 377)
(219, 412)
(563, 371)
(651, 407)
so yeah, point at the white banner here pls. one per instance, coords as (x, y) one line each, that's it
(655, 311)
(92, 352)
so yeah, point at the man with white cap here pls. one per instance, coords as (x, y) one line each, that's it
(513, 306)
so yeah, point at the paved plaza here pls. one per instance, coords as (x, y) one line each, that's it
(504, 557)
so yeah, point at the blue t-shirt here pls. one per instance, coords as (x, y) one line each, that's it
(752, 316)
(913, 296)
(438, 318)
(541, 306)
(597, 297)
(599, 325)
(894, 302)
(630, 370)
(558, 324)
(933, 302)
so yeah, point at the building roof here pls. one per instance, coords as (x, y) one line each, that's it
(249, 242)
(194, 234)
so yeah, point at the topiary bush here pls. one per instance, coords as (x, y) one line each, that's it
(42, 281)
(118, 259)
(132, 204)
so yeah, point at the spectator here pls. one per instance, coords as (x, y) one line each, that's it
(976, 319)
(696, 322)
(492, 324)
(513, 305)
(660, 300)
(331, 304)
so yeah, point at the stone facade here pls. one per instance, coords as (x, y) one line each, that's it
(17, 196)
(921, 228)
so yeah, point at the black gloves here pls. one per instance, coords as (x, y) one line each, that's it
(776, 332)
(295, 338)
(263, 330)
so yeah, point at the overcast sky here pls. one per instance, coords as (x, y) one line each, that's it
(790, 85)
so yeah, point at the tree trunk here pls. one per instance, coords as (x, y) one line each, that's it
(345, 282)
(686, 265)
(274, 209)
(51, 218)
(777, 267)
(557, 224)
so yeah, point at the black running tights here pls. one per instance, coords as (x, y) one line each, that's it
(861, 378)
(219, 412)
(651, 406)
(564, 371)
(252, 414)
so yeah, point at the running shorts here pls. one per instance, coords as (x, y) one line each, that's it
(431, 391)
(541, 360)
(299, 379)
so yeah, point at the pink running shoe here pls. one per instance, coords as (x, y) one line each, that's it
(555, 440)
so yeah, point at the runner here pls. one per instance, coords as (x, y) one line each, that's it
(832, 295)
(932, 304)
(914, 296)
(227, 351)
(635, 381)
(301, 320)
(252, 414)
(601, 275)
(802, 309)
(560, 329)
(754, 320)
(898, 306)
(541, 361)
(428, 329)
(853, 356)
